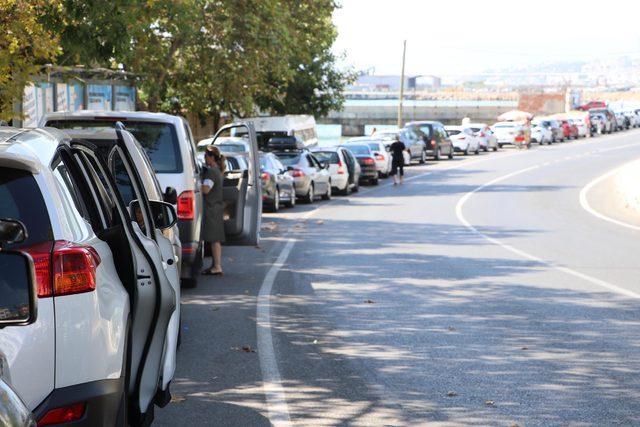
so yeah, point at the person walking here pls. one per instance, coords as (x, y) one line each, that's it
(213, 220)
(397, 149)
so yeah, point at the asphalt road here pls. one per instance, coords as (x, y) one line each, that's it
(480, 292)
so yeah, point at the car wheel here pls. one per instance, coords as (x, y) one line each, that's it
(477, 150)
(276, 201)
(374, 181)
(356, 187)
(495, 148)
(485, 148)
(466, 151)
(345, 190)
(327, 195)
(423, 157)
(437, 156)
(310, 197)
(450, 156)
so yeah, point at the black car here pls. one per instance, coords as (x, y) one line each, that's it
(367, 162)
(435, 137)
(277, 183)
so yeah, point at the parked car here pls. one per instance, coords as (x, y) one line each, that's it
(606, 116)
(541, 132)
(98, 249)
(277, 184)
(343, 167)
(380, 153)
(570, 130)
(622, 121)
(435, 137)
(488, 141)
(366, 159)
(302, 127)
(464, 139)
(513, 133)
(599, 123)
(311, 179)
(227, 145)
(169, 144)
(556, 130)
(416, 148)
(583, 125)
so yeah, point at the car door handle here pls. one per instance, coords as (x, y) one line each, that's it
(141, 277)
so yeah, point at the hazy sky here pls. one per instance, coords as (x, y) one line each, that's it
(454, 36)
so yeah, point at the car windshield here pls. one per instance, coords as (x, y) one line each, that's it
(327, 156)
(289, 159)
(453, 131)
(359, 149)
(231, 148)
(475, 129)
(159, 140)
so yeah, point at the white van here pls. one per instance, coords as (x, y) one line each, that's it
(302, 127)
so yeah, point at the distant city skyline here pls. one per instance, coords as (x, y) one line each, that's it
(461, 37)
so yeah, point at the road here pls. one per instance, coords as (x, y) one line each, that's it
(480, 292)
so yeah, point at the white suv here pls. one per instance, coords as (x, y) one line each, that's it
(96, 354)
(169, 143)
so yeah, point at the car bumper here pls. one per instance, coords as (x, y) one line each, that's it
(102, 399)
(339, 181)
(368, 172)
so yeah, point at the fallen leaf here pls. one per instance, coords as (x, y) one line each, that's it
(514, 425)
(231, 259)
(244, 349)
(177, 398)
(490, 403)
(368, 301)
(452, 394)
(451, 328)
(319, 222)
(524, 348)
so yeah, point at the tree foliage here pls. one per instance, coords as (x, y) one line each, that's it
(25, 45)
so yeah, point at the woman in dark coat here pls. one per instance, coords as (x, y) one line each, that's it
(213, 219)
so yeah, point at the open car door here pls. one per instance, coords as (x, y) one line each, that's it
(242, 192)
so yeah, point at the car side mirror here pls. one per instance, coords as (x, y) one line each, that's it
(12, 231)
(170, 195)
(18, 303)
(163, 213)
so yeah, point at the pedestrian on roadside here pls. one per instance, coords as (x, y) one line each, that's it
(213, 218)
(397, 149)
(373, 131)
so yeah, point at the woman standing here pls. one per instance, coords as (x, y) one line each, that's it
(213, 221)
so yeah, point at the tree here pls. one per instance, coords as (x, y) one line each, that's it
(26, 44)
(316, 87)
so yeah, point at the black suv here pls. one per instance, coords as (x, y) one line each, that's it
(435, 137)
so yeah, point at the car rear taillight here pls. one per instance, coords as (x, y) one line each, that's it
(520, 138)
(69, 269)
(41, 255)
(74, 268)
(66, 414)
(379, 157)
(368, 161)
(297, 173)
(187, 205)
(433, 143)
(265, 176)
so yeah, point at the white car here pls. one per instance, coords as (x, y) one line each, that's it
(228, 144)
(169, 144)
(508, 132)
(488, 140)
(464, 139)
(343, 167)
(380, 153)
(107, 267)
(583, 128)
(541, 132)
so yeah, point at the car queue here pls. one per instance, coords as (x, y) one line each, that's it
(103, 211)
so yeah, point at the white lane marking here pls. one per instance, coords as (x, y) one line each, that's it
(527, 255)
(274, 392)
(277, 408)
(584, 201)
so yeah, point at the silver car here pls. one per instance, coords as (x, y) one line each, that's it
(311, 178)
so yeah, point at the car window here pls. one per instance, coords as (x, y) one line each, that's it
(360, 149)
(129, 191)
(310, 161)
(21, 199)
(453, 131)
(159, 140)
(72, 204)
(426, 129)
(327, 156)
(289, 159)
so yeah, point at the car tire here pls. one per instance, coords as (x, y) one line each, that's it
(356, 187)
(485, 148)
(374, 181)
(327, 195)
(310, 197)
(450, 155)
(437, 156)
(345, 190)
(495, 148)
(292, 202)
(477, 150)
(466, 151)
(423, 158)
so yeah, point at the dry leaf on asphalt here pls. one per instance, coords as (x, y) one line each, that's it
(524, 348)
(451, 328)
(244, 349)
(320, 222)
(490, 403)
(269, 226)
(177, 399)
(368, 301)
(452, 394)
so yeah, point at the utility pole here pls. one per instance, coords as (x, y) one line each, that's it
(404, 52)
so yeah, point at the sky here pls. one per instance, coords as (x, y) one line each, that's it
(462, 37)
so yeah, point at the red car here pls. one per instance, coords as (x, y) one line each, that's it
(570, 130)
